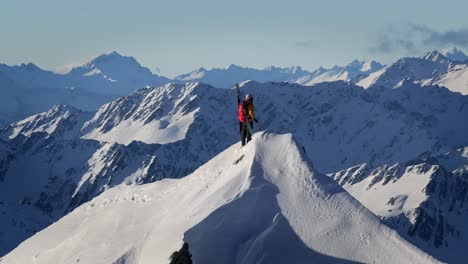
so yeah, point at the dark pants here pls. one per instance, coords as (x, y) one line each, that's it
(244, 132)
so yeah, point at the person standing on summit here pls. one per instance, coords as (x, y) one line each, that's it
(245, 114)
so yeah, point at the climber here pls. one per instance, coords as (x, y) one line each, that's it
(245, 114)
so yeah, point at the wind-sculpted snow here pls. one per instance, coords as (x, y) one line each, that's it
(425, 200)
(338, 124)
(228, 213)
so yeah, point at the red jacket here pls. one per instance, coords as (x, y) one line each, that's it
(241, 112)
(245, 111)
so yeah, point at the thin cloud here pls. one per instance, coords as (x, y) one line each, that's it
(454, 37)
(305, 44)
(411, 38)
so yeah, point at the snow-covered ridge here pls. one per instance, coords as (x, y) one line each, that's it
(58, 117)
(227, 77)
(328, 113)
(257, 198)
(338, 124)
(88, 85)
(424, 200)
(153, 115)
(432, 69)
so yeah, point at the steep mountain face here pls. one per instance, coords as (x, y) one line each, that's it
(425, 200)
(74, 157)
(432, 69)
(228, 77)
(46, 170)
(350, 124)
(150, 115)
(60, 117)
(432, 65)
(237, 208)
(87, 87)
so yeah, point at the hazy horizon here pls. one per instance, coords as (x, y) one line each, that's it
(172, 38)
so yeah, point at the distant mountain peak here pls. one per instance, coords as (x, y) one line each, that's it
(356, 62)
(30, 66)
(295, 69)
(435, 56)
(113, 57)
(112, 66)
(455, 54)
(234, 67)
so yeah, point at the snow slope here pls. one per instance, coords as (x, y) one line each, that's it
(456, 79)
(432, 69)
(348, 124)
(58, 117)
(241, 212)
(153, 116)
(339, 125)
(46, 170)
(425, 200)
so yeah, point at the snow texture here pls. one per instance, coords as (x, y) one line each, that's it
(54, 162)
(432, 69)
(270, 207)
(425, 200)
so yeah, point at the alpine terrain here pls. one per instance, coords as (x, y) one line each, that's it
(432, 69)
(262, 204)
(85, 86)
(394, 137)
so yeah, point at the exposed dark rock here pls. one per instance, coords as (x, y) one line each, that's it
(182, 256)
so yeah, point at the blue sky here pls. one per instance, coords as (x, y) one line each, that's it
(179, 36)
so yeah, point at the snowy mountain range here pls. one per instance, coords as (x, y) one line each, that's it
(432, 69)
(26, 89)
(264, 204)
(228, 77)
(89, 85)
(424, 199)
(171, 130)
